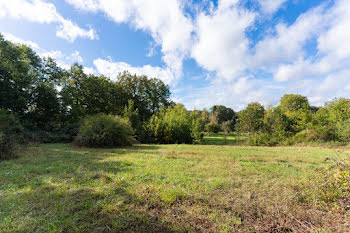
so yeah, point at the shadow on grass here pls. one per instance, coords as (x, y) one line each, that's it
(48, 209)
(73, 190)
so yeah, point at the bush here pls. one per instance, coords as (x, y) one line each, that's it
(103, 130)
(343, 130)
(173, 125)
(10, 133)
(213, 128)
(197, 133)
(264, 139)
(331, 185)
(315, 134)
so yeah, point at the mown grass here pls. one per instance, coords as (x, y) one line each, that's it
(164, 188)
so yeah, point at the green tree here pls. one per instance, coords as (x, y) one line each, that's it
(19, 72)
(223, 113)
(276, 122)
(171, 125)
(45, 108)
(148, 94)
(251, 119)
(297, 109)
(339, 117)
(133, 115)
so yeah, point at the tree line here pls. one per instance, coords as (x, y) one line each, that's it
(40, 101)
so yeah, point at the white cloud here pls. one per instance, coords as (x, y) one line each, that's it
(216, 38)
(113, 69)
(17, 40)
(271, 6)
(42, 12)
(235, 94)
(164, 20)
(221, 44)
(288, 43)
(310, 56)
(62, 60)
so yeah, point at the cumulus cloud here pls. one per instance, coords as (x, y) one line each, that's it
(221, 44)
(62, 60)
(17, 40)
(216, 38)
(42, 12)
(113, 69)
(271, 6)
(165, 20)
(310, 56)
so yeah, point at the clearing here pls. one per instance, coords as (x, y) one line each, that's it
(164, 188)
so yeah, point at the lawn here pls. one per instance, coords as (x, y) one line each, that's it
(164, 188)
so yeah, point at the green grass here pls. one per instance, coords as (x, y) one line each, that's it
(220, 139)
(163, 188)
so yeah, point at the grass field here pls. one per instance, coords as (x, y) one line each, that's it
(164, 188)
(219, 140)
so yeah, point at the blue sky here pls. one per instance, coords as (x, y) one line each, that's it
(228, 52)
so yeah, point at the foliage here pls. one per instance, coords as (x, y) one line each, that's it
(173, 125)
(103, 130)
(213, 127)
(224, 114)
(332, 186)
(227, 126)
(149, 95)
(293, 103)
(133, 116)
(48, 99)
(276, 122)
(263, 139)
(10, 130)
(197, 132)
(50, 103)
(251, 119)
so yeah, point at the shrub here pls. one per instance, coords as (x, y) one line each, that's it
(173, 125)
(343, 130)
(197, 133)
(331, 185)
(103, 130)
(315, 134)
(263, 139)
(213, 127)
(10, 132)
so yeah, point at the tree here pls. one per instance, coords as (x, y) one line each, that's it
(223, 113)
(338, 109)
(19, 69)
(251, 119)
(72, 94)
(45, 108)
(293, 103)
(339, 117)
(297, 109)
(148, 94)
(133, 116)
(172, 125)
(276, 122)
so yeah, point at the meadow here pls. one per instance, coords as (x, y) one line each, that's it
(165, 188)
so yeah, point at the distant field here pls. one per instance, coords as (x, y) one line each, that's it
(219, 140)
(164, 188)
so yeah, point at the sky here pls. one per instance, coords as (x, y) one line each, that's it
(228, 52)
